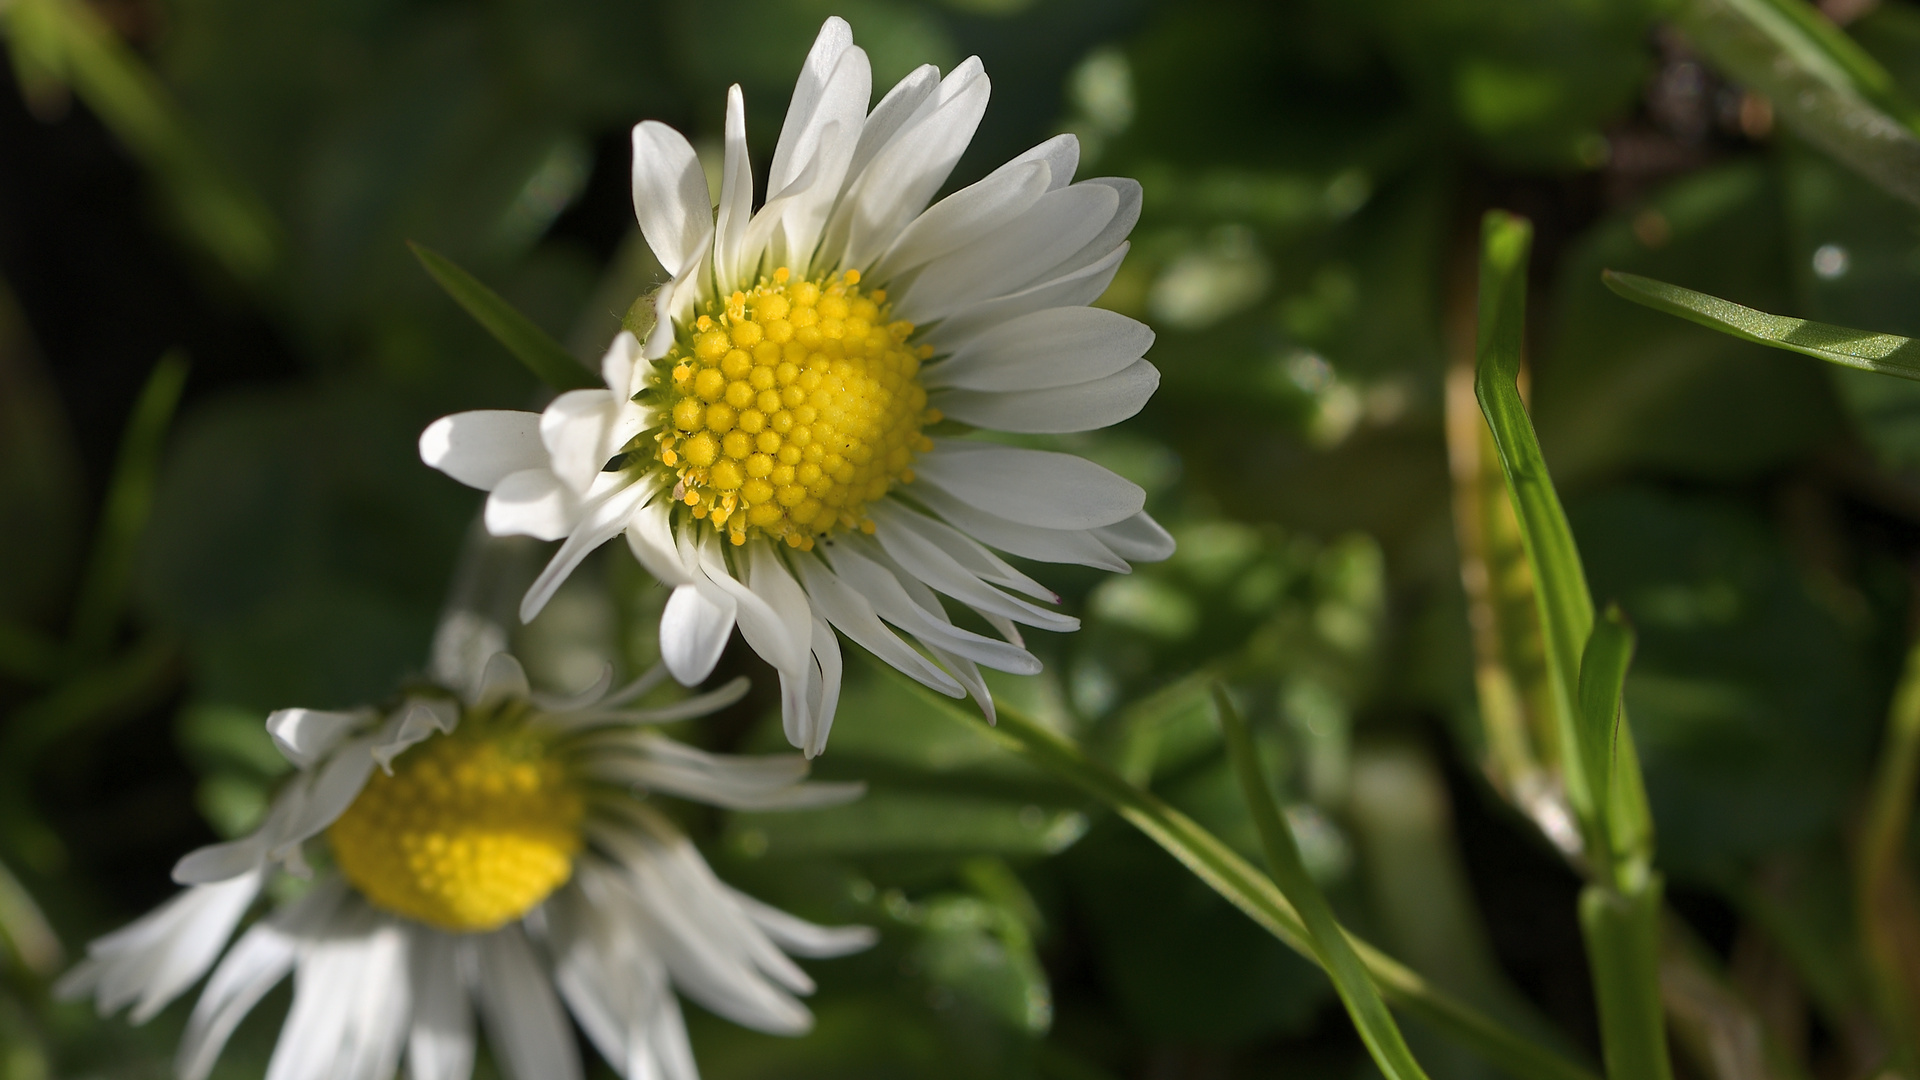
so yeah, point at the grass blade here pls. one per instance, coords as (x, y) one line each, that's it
(528, 343)
(1603, 672)
(1357, 991)
(1888, 354)
(1224, 871)
(1883, 888)
(103, 592)
(1822, 85)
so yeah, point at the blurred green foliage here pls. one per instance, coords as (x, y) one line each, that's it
(1314, 174)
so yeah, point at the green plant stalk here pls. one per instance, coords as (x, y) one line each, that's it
(1620, 913)
(123, 518)
(1224, 871)
(1879, 869)
(1357, 991)
(529, 344)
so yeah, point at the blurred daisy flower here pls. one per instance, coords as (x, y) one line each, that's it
(488, 853)
(768, 448)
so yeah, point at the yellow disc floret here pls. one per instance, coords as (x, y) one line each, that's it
(470, 831)
(792, 407)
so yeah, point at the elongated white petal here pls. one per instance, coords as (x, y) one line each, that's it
(741, 783)
(575, 429)
(351, 1003)
(484, 447)
(669, 194)
(964, 549)
(1062, 155)
(800, 937)
(440, 1043)
(888, 591)
(686, 709)
(530, 1035)
(693, 632)
(928, 562)
(650, 535)
(149, 962)
(600, 521)
(736, 195)
(1139, 538)
(1078, 288)
(1032, 487)
(503, 679)
(823, 686)
(304, 736)
(257, 962)
(674, 303)
(420, 720)
(822, 129)
(1056, 227)
(854, 616)
(965, 215)
(621, 367)
(1088, 406)
(1062, 346)
(1076, 546)
(898, 106)
(810, 95)
(905, 173)
(532, 502)
(1118, 227)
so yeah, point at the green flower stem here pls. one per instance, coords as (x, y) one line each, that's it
(1883, 891)
(1329, 941)
(1255, 894)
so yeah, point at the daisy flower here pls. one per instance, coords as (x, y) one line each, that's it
(770, 449)
(487, 855)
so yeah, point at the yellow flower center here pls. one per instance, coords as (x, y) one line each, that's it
(792, 407)
(469, 832)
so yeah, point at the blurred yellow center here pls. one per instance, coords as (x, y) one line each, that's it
(470, 831)
(792, 407)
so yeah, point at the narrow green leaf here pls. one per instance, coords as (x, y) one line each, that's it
(1603, 671)
(103, 592)
(1888, 354)
(1822, 85)
(528, 343)
(1882, 886)
(1224, 871)
(1357, 991)
(1560, 585)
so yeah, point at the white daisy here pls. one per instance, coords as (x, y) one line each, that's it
(490, 854)
(765, 451)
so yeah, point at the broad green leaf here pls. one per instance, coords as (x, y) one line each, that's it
(1888, 354)
(528, 343)
(1253, 892)
(1823, 86)
(1330, 944)
(103, 592)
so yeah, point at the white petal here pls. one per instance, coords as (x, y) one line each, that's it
(1076, 546)
(1062, 155)
(482, 448)
(574, 429)
(530, 1034)
(221, 862)
(1032, 487)
(600, 521)
(969, 675)
(800, 937)
(1078, 288)
(1060, 346)
(304, 736)
(673, 304)
(854, 616)
(693, 633)
(650, 535)
(669, 194)
(440, 1045)
(895, 109)
(420, 720)
(255, 965)
(684, 709)
(834, 39)
(328, 795)
(1024, 250)
(736, 195)
(964, 549)
(1125, 217)
(770, 782)
(822, 128)
(823, 685)
(928, 562)
(964, 216)
(764, 629)
(503, 679)
(905, 173)
(1086, 406)
(151, 961)
(351, 1002)
(532, 502)
(1139, 538)
(621, 364)
(889, 592)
